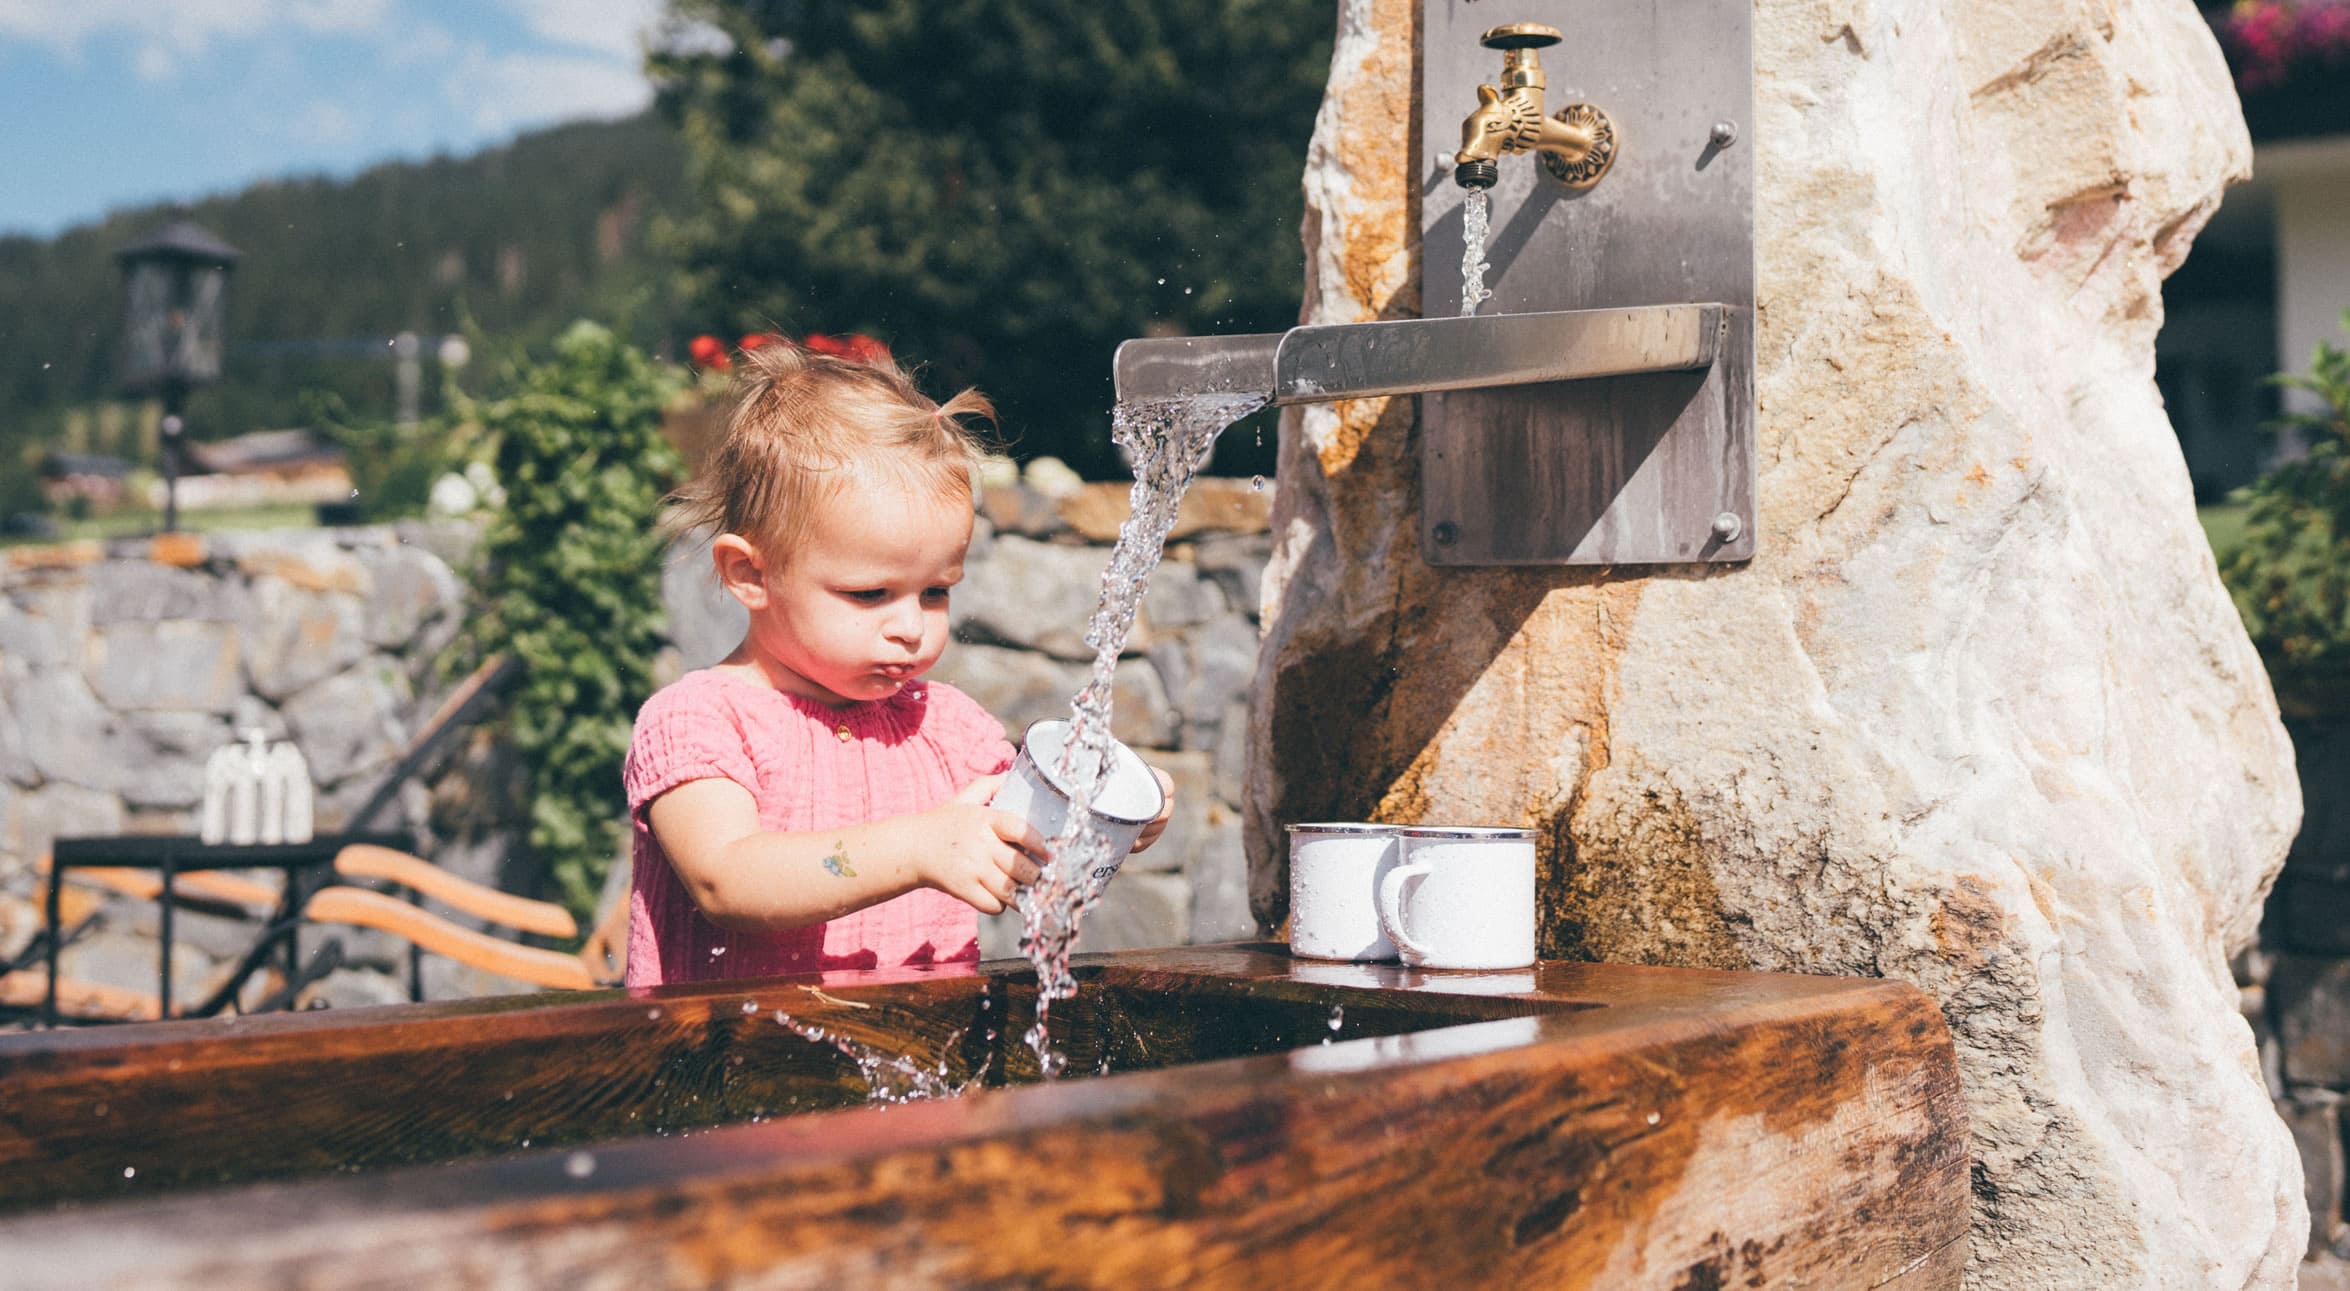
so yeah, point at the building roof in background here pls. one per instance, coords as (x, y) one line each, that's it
(186, 240)
(60, 465)
(265, 451)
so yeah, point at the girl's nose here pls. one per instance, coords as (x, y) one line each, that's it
(903, 624)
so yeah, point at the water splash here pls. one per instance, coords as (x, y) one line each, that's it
(891, 1080)
(1168, 441)
(1476, 218)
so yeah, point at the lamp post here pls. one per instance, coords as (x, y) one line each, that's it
(175, 323)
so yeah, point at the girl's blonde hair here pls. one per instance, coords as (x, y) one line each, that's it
(805, 425)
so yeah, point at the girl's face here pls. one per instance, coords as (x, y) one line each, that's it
(860, 609)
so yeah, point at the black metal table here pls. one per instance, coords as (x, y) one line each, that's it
(308, 867)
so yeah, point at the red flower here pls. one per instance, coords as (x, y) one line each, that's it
(757, 339)
(709, 352)
(854, 348)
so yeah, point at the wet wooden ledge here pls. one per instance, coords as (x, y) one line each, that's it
(1574, 1125)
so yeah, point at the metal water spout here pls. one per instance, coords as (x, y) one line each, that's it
(1576, 146)
(1602, 411)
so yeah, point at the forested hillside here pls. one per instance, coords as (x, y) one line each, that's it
(509, 244)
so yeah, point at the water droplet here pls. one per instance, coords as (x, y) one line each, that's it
(986, 1002)
(654, 1014)
(1162, 282)
(1187, 291)
(1256, 484)
(509, 1095)
(579, 1165)
(45, 367)
(716, 951)
(1337, 1016)
(100, 1109)
(1654, 1117)
(130, 1172)
(526, 1143)
(750, 1006)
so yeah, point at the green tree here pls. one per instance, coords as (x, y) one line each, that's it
(570, 584)
(1002, 189)
(2290, 574)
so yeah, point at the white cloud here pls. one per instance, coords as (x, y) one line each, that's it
(155, 63)
(180, 27)
(325, 121)
(606, 26)
(511, 92)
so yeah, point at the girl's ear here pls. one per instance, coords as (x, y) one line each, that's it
(740, 570)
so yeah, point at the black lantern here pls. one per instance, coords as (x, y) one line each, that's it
(175, 324)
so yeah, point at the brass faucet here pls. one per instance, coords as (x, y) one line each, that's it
(1576, 146)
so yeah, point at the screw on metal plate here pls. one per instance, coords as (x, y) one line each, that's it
(1446, 533)
(1723, 134)
(1727, 527)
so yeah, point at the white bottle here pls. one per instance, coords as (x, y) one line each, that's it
(244, 799)
(220, 773)
(291, 773)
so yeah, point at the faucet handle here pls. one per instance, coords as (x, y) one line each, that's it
(1520, 35)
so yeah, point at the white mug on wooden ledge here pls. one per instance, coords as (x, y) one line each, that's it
(1334, 873)
(1461, 897)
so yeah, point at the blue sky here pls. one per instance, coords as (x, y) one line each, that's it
(109, 103)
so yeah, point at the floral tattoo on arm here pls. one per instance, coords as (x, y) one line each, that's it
(838, 862)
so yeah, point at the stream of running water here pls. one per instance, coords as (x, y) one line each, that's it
(1476, 218)
(1168, 441)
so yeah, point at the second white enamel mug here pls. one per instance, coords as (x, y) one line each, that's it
(1461, 897)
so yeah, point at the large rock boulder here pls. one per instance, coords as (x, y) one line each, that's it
(1978, 716)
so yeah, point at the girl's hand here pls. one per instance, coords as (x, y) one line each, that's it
(976, 854)
(1150, 832)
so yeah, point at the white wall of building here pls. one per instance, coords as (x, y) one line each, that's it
(2311, 181)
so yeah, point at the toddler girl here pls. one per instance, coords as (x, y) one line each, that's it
(809, 803)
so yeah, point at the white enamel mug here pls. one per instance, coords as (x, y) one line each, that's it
(1461, 897)
(1033, 791)
(1334, 873)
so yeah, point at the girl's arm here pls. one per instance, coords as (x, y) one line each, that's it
(746, 879)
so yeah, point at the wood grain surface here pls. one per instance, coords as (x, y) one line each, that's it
(1574, 1125)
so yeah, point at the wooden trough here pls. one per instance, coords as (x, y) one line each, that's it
(1266, 1121)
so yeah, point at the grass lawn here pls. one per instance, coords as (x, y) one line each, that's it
(134, 523)
(2223, 526)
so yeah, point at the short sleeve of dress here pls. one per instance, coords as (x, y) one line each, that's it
(971, 735)
(686, 732)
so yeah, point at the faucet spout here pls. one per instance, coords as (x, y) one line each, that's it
(1577, 145)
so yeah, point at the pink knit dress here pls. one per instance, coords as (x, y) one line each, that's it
(808, 767)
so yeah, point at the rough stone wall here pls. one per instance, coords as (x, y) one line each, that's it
(123, 666)
(1979, 715)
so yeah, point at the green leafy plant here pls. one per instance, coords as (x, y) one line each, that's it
(570, 584)
(392, 466)
(2290, 573)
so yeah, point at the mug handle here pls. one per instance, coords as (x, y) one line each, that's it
(1391, 907)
